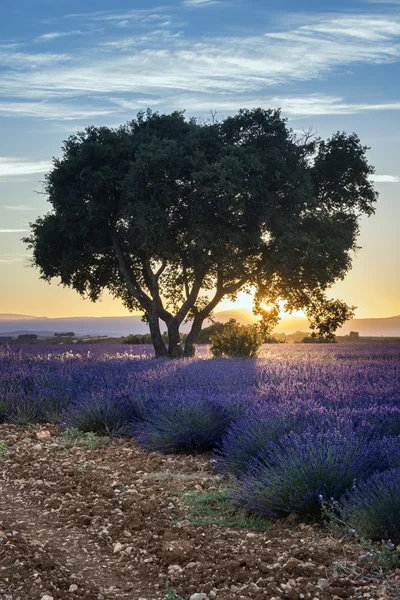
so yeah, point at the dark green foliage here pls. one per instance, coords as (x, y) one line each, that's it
(171, 216)
(207, 333)
(317, 339)
(137, 338)
(140, 338)
(65, 334)
(326, 316)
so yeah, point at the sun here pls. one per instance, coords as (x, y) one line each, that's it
(245, 301)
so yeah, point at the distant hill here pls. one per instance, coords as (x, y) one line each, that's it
(389, 326)
(15, 325)
(46, 327)
(384, 326)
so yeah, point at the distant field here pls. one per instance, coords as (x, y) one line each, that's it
(284, 351)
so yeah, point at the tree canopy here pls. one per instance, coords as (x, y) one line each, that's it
(172, 215)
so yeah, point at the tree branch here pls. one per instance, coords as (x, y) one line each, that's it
(219, 294)
(161, 269)
(190, 300)
(130, 280)
(152, 279)
(185, 280)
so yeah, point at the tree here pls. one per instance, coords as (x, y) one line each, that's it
(326, 316)
(354, 336)
(65, 334)
(173, 215)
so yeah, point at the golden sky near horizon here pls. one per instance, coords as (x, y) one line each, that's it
(373, 284)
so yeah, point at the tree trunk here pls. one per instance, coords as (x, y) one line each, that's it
(190, 347)
(159, 347)
(174, 341)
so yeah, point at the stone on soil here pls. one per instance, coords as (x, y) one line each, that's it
(43, 435)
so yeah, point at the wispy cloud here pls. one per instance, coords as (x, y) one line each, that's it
(24, 61)
(200, 3)
(53, 110)
(258, 60)
(10, 45)
(150, 15)
(292, 106)
(13, 230)
(385, 178)
(10, 260)
(181, 72)
(18, 207)
(11, 167)
(54, 35)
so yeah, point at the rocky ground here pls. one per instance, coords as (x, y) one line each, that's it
(111, 523)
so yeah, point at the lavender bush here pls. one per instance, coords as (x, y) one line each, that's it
(372, 508)
(247, 435)
(179, 423)
(293, 475)
(105, 412)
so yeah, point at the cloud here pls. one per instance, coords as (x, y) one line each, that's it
(185, 72)
(122, 106)
(10, 45)
(10, 261)
(384, 178)
(199, 3)
(52, 110)
(292, 106)
(23, 62)
(13, 230)
(11, 167)
(142, 16)
(48, 37)
(234, 63)
(18, 207)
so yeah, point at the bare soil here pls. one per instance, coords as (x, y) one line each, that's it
(110, 523)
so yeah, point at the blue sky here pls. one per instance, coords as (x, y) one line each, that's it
(68, 64)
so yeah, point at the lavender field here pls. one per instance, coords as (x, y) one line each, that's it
(293, 429)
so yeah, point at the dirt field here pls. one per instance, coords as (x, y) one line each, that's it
(112, 522)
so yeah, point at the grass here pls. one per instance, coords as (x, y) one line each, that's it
(385, 558)
(3, 450)
(171, 595)
(215, 508)
(89, 439)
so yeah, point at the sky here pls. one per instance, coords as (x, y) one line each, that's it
(329, 65)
